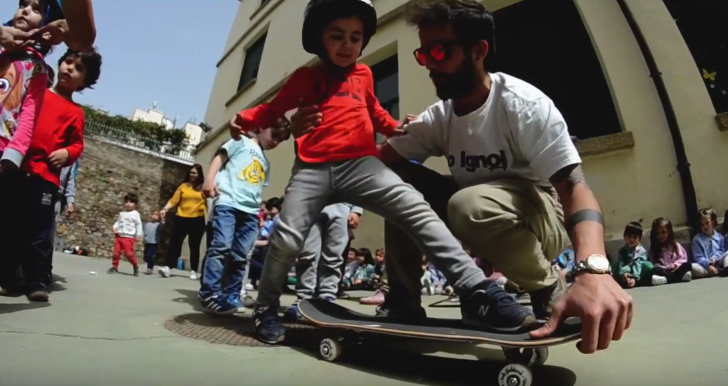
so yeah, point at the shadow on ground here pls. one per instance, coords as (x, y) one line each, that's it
(402, 359)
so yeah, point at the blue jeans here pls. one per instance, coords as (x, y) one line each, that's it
(233, 235)
(150, 255)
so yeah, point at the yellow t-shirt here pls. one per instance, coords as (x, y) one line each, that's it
(189, 202)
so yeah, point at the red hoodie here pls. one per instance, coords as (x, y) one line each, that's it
(60, 125)
(351, 113)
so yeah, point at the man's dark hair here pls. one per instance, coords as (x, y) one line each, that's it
(633, 229)
(470, 20)
(131, 197)
(273, 202)
(91, 60)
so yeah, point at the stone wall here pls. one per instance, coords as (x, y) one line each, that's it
(108, 172)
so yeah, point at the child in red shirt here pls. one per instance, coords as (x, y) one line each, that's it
(337, 161)
(57, 142)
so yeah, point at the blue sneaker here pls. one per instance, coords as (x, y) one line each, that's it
(292, 312)
(490, 306)
(267, 325)
(218, 306)
(235, 300)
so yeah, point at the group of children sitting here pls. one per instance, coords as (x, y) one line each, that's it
(666, 261)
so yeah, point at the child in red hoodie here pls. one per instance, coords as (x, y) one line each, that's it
(338, 162)
(57, 142)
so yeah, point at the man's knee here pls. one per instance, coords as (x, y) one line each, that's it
(466, 207)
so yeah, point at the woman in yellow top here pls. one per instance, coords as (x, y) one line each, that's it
(189, 221)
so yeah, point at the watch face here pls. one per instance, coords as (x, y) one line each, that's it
(598, 263)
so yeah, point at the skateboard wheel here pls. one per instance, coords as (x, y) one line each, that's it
(330, 349)
(515, 375)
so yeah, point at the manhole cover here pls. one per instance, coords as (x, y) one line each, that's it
(232, 330)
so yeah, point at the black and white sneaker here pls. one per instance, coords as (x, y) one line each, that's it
(488, 305)
(218, 306)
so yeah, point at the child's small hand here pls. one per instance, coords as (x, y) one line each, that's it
(712, 270)
(400, 129)
(236, 128)
(58, 158)
(7, 166)
(209, 189)
(713, 261)
(631, 282)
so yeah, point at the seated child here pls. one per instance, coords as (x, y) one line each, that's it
(565, 263)
(709, 251)
(235, 179)
(669, 257)
(352, 264)
(378, 267)
(433, 281)
(362, 278)
(633, 264)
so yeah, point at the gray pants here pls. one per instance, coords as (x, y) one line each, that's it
(368, 183)
(320, 261)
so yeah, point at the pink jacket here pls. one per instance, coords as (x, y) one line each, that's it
(24, 81)
(670, 257)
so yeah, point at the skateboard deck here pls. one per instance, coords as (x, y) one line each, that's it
(330, 315)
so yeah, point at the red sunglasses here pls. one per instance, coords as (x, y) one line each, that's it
(437, 52)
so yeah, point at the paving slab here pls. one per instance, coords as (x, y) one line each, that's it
(113, 330)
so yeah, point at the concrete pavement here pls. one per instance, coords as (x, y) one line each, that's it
(110, 330)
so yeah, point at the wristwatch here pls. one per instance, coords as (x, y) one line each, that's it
(595, 264)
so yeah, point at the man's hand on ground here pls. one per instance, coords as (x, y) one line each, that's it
(305, 119)
(604, 308)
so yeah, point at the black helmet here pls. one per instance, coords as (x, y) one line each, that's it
(321, 12)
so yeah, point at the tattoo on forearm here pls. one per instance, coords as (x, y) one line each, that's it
(573, 175)
(584, 216)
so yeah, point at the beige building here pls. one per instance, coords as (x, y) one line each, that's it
(582, 53)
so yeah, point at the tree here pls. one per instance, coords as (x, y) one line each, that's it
(147, 134)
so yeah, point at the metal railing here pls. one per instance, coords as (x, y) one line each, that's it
(145, 144)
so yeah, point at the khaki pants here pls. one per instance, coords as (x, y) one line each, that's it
(514, 224)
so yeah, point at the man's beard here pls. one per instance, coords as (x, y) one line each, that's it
(458, 84)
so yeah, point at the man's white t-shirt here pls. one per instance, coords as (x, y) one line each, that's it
(518, 132)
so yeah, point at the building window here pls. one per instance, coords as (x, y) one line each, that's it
(386, 87)
(253, 55)
(561, 62)
(702, 25)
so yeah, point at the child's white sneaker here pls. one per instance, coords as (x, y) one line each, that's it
(659, 280)
(193, 275)
(249, 287)
(687, 276)
(163, 271)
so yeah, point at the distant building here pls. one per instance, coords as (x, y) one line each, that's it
(153, 115)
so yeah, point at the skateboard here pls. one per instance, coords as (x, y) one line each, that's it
(349, 328)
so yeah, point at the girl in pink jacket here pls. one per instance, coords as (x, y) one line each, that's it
(669, 257)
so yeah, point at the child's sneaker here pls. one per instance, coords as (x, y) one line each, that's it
(149, 272)
(235, 300)
(687, 276)
(375, 300)
(163, 271)
(292, 312)
(112, 270)
(218, 306)
(136, 271)
(660, 280)
(490, 306)
(249, 287)
(193, 275)
(248, 302)
(267, 325)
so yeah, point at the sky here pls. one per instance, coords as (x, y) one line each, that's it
(154, 50)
